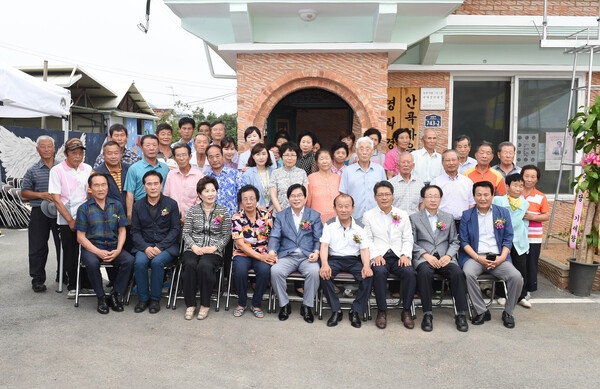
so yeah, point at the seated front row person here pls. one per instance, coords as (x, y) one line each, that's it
(100, 225)
(389, 230)
(155, 226)
(486, 236)
(295, 240)
(435, 248)
(206, 232)
(250, 228)
(345, 248)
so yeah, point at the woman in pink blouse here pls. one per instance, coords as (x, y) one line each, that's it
(323, 186)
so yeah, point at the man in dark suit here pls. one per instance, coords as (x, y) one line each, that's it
(295, 240)
(435, 248)
(486, 236)
(155, 231)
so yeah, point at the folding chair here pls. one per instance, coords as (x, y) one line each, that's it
(395, 303)
(80, 266)
(169, 295)
(438, 299)
(179, 289)
(251, 274)
(294, 276)
(487, 278)
(346, 278)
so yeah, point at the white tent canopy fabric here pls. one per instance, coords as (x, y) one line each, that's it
(24, 96)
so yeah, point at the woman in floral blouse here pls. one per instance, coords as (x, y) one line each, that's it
(206, 232)
(250, 232)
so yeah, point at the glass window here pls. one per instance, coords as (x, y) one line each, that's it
(481, 110)
(542, 119)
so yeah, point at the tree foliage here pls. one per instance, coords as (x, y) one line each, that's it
(586, 131)
(180, 110)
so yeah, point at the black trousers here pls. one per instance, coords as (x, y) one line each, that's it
(452, 272)
(199, 269)
(39, 229)
(70, 254)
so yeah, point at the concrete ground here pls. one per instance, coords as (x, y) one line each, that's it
(47, 343)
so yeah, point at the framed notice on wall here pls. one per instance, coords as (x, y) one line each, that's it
(433, 99)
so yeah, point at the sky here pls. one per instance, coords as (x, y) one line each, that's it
(102, 37)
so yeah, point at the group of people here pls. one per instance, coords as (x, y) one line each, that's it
(283, 208)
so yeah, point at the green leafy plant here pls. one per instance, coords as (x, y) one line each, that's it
(586, 131)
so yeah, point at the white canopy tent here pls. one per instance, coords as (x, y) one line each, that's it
(24, 96)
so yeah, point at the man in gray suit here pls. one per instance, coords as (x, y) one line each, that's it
(434, 252)
(295, 239)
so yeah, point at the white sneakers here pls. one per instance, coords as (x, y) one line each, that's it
(525, 303)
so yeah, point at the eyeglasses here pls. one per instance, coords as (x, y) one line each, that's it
(432, 197)
(384, 195)
(248, 199)
(181, 155)
(297, 196)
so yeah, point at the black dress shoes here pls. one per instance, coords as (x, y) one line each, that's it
(285, 311)
(307, 314)
(114, 302)
(481, 318)
(461, 323)
(102, 306)
(355, 319)
(508, 320)
(38, 287)
(141, 306)
(335, 318)
(427, 322)
(154, 306)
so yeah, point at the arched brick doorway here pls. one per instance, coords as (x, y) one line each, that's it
(363, 115)
(317, 110)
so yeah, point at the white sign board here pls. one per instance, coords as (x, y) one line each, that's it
(433, 99)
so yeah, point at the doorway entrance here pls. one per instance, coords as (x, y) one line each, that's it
(317, 110)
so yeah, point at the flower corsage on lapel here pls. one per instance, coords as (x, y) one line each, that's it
(356, 238)
(305, 225)
(440, 226)
(499, 223)
(396, 219)
(165, 212)
(217, 220)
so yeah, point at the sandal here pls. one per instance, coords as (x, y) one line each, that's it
(258, 313)
(203, 313)
(189, 313)
(238, 312)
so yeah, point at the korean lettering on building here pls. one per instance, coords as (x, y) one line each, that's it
(403, 112)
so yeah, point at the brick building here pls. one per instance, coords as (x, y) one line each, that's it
(329, 66)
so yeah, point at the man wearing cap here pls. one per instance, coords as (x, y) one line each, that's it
(118, 133)
(68, 187)
(35, 188)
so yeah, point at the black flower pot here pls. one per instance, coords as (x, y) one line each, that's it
(581, 277)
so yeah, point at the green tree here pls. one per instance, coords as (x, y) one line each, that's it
(172, 117)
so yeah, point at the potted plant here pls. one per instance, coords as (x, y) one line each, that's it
(586, 131)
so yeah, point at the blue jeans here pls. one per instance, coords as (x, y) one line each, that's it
(140, 271)
(241, 265)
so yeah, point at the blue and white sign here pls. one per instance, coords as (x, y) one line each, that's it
(432, 121)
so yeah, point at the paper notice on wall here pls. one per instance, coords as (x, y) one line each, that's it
(557, 147)
(527, 149)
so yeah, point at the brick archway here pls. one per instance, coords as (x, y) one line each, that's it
(323, 79)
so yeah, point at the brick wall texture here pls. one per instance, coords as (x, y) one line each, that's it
(264, 79)
(528, 7)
